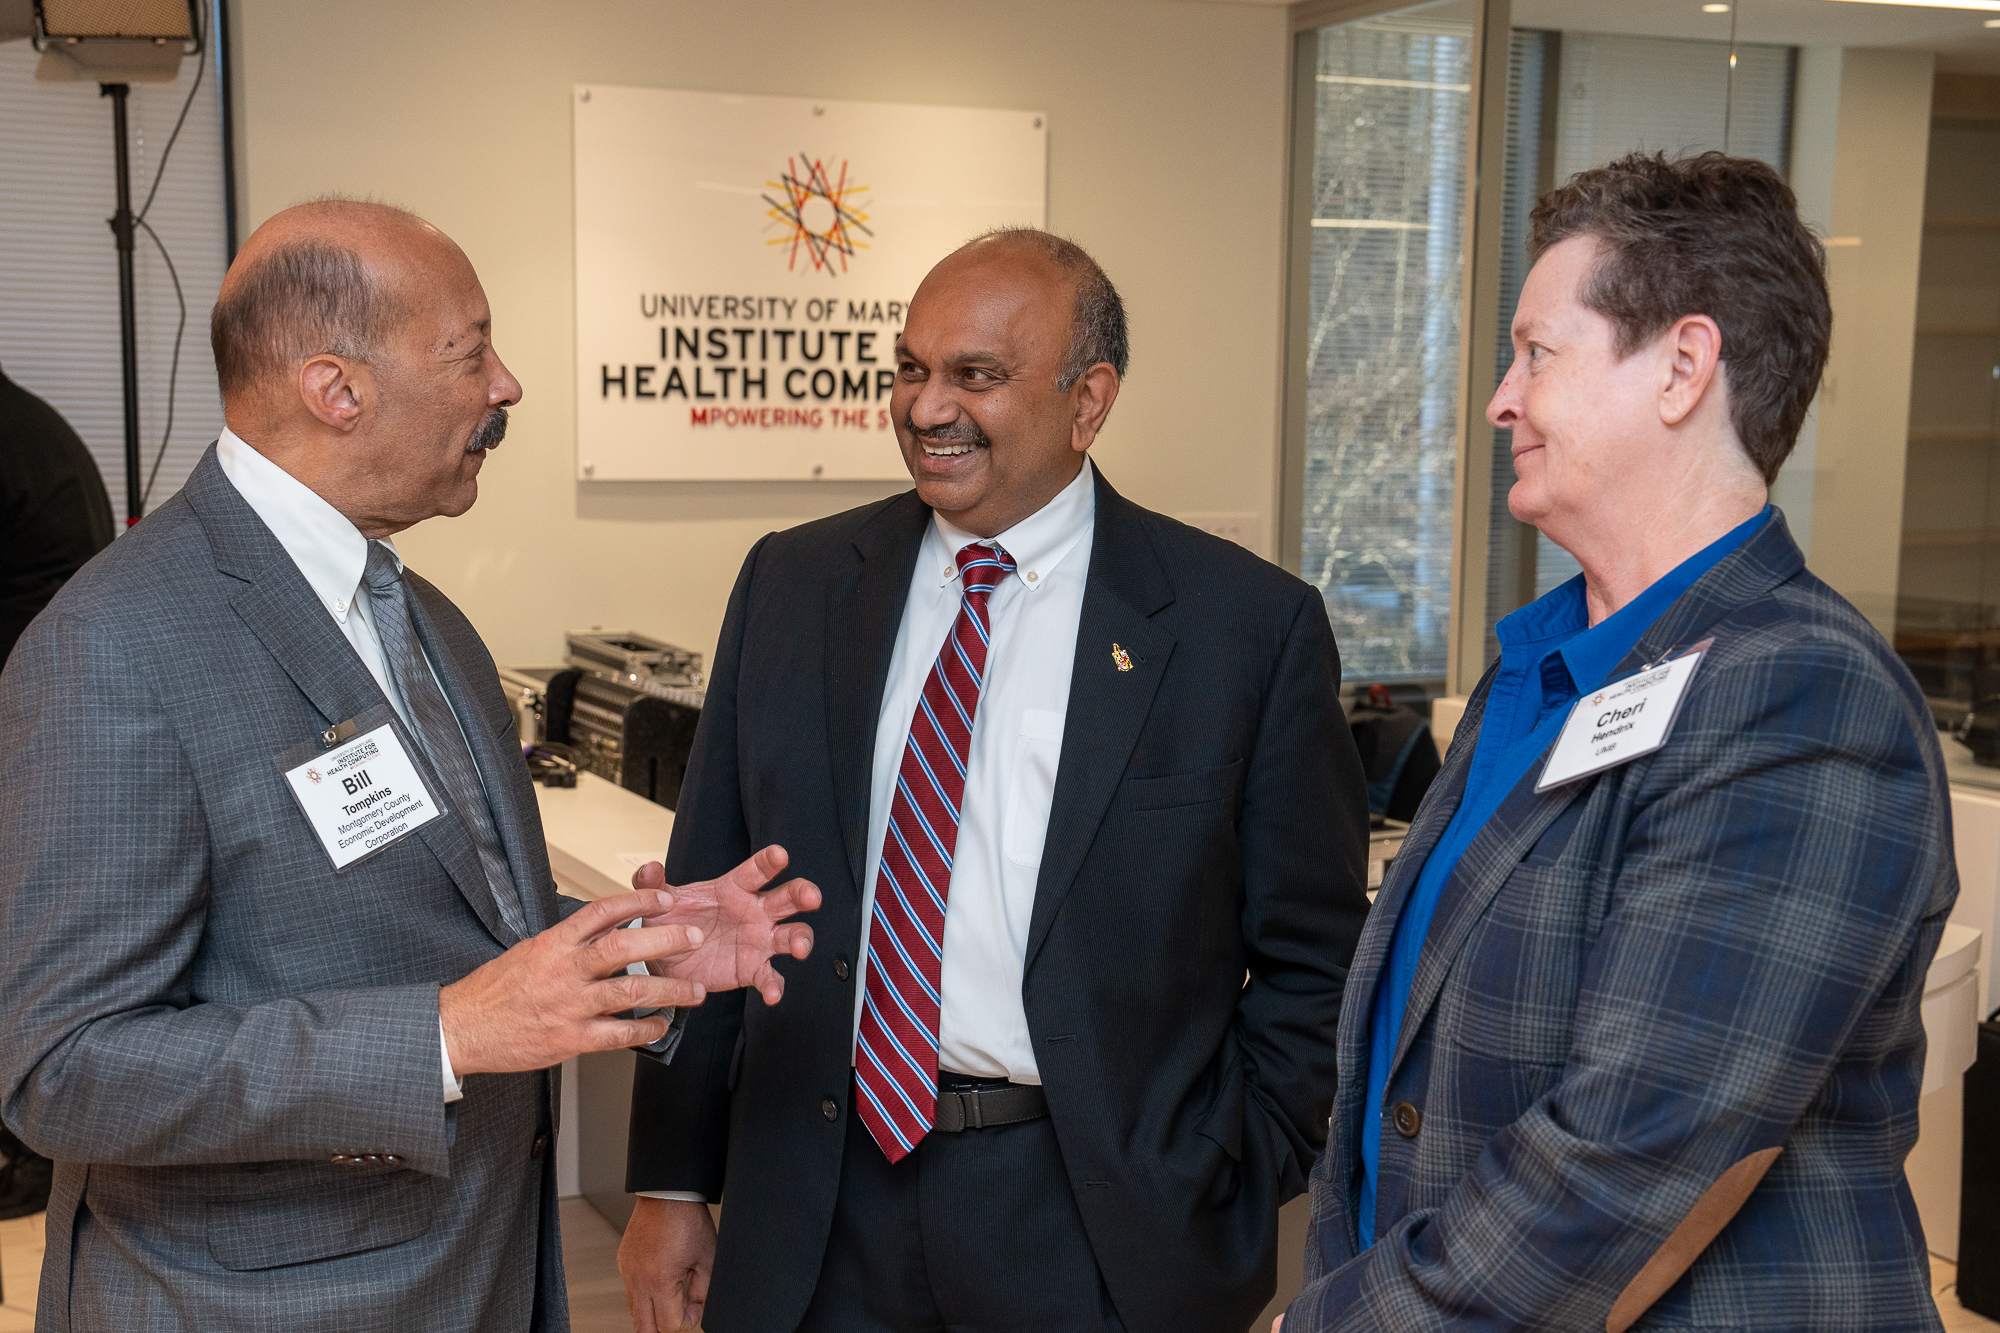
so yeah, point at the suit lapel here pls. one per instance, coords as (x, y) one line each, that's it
(278, 606)
(1107, 706)
(1488, 860)
(1433, 816)
(1371, 953)
(1767, 559)
(864, 610)
(500, 769)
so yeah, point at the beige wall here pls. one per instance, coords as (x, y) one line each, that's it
(1166, 159)
(1863, 121)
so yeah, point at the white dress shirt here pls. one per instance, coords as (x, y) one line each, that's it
(1010, 779)
(331, 552)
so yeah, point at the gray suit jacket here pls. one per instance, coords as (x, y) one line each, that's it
(199, 1014)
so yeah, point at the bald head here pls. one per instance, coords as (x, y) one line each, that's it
(1097, 327)
(354, 346)
(332, 276)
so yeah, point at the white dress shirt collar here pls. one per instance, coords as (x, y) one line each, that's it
(328, 549)
(1037, 543)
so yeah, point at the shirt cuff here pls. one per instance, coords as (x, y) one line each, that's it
(453, 1088)
(676, 1196)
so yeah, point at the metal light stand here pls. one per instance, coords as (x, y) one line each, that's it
(93, 39)
(123, 228)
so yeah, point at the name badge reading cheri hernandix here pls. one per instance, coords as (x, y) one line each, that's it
(1619, 723)
(362, 795)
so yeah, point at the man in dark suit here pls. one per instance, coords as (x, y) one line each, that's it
(1025, 1084)
(1636, 1037)
(287, 1084)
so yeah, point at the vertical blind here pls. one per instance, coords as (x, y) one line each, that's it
(59, 273)
(1381, 358)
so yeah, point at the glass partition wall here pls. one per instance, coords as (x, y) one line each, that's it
(1423, 135)
(1391, 111)
(1948, 586)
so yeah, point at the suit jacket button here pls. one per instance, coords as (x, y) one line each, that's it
(830, 1109)
(1408, 1119)
(541, 1146)
(840, 968)
(343, 1159)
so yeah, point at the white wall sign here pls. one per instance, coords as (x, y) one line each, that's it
(743, 265)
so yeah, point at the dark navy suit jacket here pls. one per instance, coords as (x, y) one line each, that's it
(1209, 821)
(1661, 1059)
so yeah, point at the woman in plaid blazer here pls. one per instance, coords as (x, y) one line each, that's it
(1644, 1047)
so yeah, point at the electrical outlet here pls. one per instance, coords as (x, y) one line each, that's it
(1246, 530)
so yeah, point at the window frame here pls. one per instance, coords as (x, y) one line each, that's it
(1479, 309)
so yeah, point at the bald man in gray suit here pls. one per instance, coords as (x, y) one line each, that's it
(289, 1085)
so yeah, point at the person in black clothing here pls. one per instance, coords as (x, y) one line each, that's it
(54, 516)
(54, 513)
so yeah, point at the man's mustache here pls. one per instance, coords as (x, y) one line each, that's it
(962, 431)
(491, 431)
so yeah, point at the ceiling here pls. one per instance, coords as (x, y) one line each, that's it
(1959, 37)
(1962, 42)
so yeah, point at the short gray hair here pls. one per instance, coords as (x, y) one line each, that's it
(1098, 330)
(299, 301)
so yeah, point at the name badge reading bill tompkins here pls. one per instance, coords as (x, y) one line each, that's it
(1620, 722)
(362, 795)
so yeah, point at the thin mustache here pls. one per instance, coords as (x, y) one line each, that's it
(491, 431)
(961, 432)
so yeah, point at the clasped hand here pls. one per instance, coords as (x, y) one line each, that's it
(557, 994)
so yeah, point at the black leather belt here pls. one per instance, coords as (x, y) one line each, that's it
(984, 1105)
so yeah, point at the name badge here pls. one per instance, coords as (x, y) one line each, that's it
(1620, 722)
(363, 792)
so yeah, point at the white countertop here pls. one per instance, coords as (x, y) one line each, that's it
(599, 833)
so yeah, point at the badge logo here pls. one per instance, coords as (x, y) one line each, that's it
(313, 774)
(818, 213)
(1120, 658)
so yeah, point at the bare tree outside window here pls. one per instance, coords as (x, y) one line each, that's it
(1393, 108)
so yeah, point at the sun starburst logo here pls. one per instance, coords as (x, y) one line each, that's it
(819, 212)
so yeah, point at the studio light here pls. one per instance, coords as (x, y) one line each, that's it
(113, 41)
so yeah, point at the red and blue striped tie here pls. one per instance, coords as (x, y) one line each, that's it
(897, 1063)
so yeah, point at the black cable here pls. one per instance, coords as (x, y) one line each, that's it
(159, 173)
(200, 67)
(173, 375)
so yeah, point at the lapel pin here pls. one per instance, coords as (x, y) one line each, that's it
(1121, 658)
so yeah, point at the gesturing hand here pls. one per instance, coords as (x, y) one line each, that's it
(740, 927)
(553, 996)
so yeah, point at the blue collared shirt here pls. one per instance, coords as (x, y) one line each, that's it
(1549, 655)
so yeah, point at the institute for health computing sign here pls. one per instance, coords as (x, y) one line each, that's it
(743, 266)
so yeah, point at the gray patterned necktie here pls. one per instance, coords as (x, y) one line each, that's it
(436, 727)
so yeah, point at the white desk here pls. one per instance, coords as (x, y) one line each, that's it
(599, 833)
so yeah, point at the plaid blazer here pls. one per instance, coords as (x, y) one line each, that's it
(1661, 1058)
